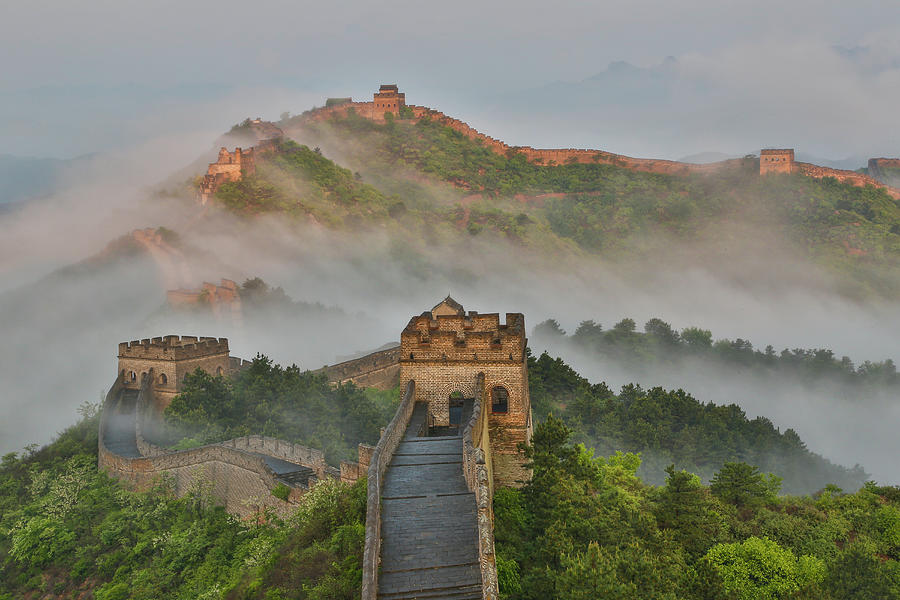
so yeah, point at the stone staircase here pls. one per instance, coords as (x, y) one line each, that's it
(429, 547)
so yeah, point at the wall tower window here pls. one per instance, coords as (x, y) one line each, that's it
(499, 400)
(163, 379)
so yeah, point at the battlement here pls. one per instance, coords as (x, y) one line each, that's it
(389, 98)
(776, 160)
(173, 347)
(232, 166)
(463, 337)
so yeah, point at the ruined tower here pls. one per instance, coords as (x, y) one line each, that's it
(774, 160)
(171, 358)
(390, 99)
(445, 350)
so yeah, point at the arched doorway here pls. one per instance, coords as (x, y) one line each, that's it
(499, 400)
(456, 403)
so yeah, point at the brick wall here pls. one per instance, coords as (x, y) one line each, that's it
(848, 177)
(378, 370)
(776, 161)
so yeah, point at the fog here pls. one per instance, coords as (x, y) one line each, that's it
(844, 424)
(61, 328)
(818, 76)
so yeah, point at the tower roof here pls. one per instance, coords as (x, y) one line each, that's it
(448, 306)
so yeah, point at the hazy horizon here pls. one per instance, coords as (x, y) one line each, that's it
(699, 77)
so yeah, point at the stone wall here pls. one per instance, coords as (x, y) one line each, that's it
(381, 458)
(545, 157)
(773, 160)
(378, 370)
(224, 300)
(848, 177)
(295, 453)
(885, 170)
(444, 354)
(233, 473)
(172, 358)
(479, 479)
(232, 166)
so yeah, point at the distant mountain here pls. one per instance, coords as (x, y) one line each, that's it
(23, 178)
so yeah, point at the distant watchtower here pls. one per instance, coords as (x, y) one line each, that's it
(776, 161)
(171, 358)
(390, 99)
(444, 350)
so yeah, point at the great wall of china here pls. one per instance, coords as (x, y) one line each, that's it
(388, 99)
(430, 479)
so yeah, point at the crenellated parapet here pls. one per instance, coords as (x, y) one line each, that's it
(233, 166)
(470, 337)
(173, 347)
(446, 350)
(171, 358)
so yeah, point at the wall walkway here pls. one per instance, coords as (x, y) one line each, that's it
(240, 473)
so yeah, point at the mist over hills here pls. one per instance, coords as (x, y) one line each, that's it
(356, 211)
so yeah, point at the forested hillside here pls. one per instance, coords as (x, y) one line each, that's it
(584, 526)
(68, 531)
(671, 427)
(587, 527)
(430, 177)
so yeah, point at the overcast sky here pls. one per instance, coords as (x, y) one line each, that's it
(94, 75)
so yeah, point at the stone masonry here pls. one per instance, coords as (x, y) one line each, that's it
(172, 358)
(771, 160)
(776, 161)
(444, 350)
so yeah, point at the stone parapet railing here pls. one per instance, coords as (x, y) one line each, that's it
(381, 457)
(242, 455)
(479, 479)
(288, 451)
(379, 369)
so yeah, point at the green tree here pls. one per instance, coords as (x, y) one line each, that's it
(743, 485)
(760, 569)
(684, 506)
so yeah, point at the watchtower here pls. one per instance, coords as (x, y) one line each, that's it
(171, 358)
(390, 99)
(445, 349)
(773, 160)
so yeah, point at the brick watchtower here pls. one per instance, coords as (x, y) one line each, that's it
(444, 350)
(776, 161)
(171, 358)
(390, 99)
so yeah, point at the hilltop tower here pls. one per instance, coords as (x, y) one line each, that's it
(774, 160)
(444, 351)
(390, 99)
(171, 358)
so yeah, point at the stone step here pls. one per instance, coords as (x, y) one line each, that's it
(405, 460)
(454, 581)
(469, 592)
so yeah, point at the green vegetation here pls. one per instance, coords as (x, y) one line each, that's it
(672, 427)
(616, 211)
(300, 181)
(286, 403)
(659, 344)
(67, 529)
(587, 527)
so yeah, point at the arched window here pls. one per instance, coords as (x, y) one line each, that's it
(499, 400)
(132, 376)
(163, 379)
(220, 371)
